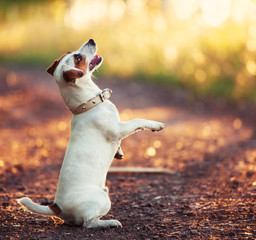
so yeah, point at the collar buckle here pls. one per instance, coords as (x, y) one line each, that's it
(102, 97)
(105, 94)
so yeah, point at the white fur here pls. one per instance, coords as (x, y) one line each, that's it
(95, 138)
(45, 210)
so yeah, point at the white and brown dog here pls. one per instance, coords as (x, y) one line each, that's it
(96, 134)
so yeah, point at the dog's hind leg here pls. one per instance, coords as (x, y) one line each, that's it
(93, 209)
(95, 222)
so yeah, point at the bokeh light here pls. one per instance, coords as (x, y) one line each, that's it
(207, 46)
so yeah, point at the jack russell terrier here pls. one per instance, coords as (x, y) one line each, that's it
(96, 134)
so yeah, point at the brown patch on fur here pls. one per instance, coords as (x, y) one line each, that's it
(55, 64)
(82, 64)
(55, 208)
(72, 74)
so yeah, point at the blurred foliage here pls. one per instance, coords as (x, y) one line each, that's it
(207, 46)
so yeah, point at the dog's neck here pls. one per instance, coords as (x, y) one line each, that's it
(81, 92)
(93, 102)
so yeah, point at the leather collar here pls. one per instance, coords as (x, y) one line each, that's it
(104, 95)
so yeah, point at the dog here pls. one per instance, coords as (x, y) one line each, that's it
(96, 134)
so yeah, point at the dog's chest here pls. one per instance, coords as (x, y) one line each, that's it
(102, 119)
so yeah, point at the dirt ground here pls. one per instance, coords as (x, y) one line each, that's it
(209, 148)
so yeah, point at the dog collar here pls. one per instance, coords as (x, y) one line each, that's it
(104, 95)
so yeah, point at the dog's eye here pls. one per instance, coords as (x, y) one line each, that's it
(78, 58)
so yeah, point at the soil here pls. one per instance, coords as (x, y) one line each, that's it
(208, 146)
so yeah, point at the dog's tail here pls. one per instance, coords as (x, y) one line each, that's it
(52, 209)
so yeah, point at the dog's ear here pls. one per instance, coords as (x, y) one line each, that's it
(71, 74)
(52, 68)
(55, 64)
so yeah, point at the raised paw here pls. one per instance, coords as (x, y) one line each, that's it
(158, 127)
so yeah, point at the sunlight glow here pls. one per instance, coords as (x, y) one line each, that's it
(251, 45)
(197, 42)
(116, 10)
(171, 52)
(135, 6)
(243, 10)
(251, 67)
(184, 9)
(83, 13)
(214, 13)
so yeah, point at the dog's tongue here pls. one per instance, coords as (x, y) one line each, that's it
(94, 61)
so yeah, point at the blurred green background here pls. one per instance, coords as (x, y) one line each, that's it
(206, 46)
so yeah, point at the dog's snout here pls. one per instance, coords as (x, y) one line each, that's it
(89, 47)
(91, 42)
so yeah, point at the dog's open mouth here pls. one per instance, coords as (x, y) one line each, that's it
(95, 61)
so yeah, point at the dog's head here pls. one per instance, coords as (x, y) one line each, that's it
(77, 64)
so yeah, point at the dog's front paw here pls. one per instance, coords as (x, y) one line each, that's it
(158, 126)
(119, 154)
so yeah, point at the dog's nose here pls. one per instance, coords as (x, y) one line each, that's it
(91, 42)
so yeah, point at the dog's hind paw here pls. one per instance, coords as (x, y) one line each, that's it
(103, 224)
(115, 223)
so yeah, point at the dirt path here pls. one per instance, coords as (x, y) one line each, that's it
(210, 148)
